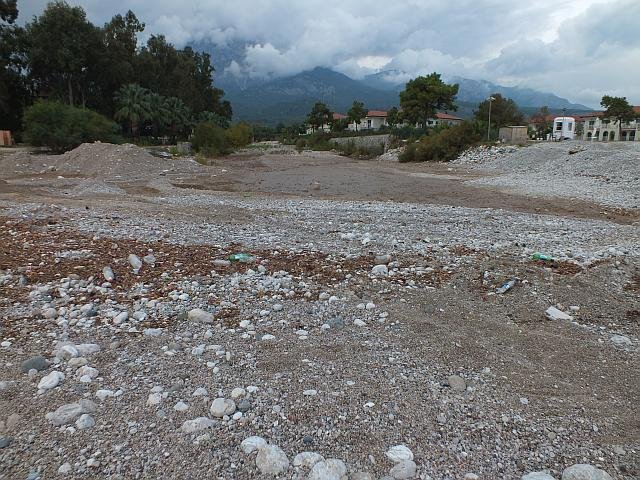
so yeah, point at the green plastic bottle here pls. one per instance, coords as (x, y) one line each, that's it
(542, 256)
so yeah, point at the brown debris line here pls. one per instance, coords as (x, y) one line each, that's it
(559, 267)
(634, 284)
(31, 249)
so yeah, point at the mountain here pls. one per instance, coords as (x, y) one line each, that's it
(475, 91)
(270, 101)
(290, 99)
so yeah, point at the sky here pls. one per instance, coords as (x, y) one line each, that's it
(578, 49)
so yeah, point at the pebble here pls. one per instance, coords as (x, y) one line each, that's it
(70, 412)
(271, 460)
(85, 421)
(65, 468)
(621, 341)
(35, 363)
(181, 407)
(197, 425)
(51, 380)
(251, 444)
(5, 442)
(399, 453)
(135, 262)
(537, 476)
(307, 459)
(404, 470)
(238, 392)
(199, 315)
(104, 394)
(553, 313)
(583, 471)
(380, 270)
(457, 383)
(108, 274)
(222, 406)
(330, 469)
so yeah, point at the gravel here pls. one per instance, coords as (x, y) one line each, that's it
(608, 173)
(305, 363)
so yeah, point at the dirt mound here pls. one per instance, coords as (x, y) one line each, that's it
(108, 160)
(105, 160)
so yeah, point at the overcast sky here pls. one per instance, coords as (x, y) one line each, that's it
(579, 49)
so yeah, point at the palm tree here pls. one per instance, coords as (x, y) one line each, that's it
(133, 105)
(158, 112)
(212, 117)
(179, 115)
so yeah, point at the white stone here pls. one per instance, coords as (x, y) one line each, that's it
(50, 381)
(370, 306)
(268, 337)
(121, 317)
(271, 460)
(537, 476)
(404, 470)
(199, 315)
(584, 472)
(154, 399)
(359, 323)
(380, 270)
(104, 394)
(85, 421)
(251, 444)
(399, 453)
(65, 468)
(238, 392)
(307, 459)
(222, 406)
(330, 469)
(88, 371)
(70, 412)
(68, 351)
(49, 313)
(310, 393)
(553, 313)
(153, 332)
(197, 425)
(181, 407)
(135, 262)
(86, 349)
(621, 341)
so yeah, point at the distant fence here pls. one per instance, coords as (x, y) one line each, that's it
(368, 142)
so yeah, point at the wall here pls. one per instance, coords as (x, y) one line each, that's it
(365, 141)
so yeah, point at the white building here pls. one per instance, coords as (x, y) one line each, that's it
(374, 120)
(597, 128)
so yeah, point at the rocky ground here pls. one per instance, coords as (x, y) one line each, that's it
(352, 339)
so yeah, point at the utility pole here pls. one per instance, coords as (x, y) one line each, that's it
(491, 99)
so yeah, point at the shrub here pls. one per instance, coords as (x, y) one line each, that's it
(301, 144)
(442, 146)
(63, 127)
(210, 139)
(239, 135)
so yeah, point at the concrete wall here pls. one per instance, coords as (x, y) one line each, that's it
(365, 141)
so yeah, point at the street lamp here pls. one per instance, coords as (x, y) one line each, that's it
(491, 99)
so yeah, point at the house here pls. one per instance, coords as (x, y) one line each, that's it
(326, 127)
(445, 119)
(598, 128)
(374, 120)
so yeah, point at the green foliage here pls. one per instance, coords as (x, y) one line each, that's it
(424, 96)
(393, 117)
(542, 125)
(618, 107)
(213, 117)
(133, 103)
(62, 127)
(504, 111)
(210, 139)
(320, 115)
(239, 135)
(444, 145)
(8, 10)
(340, 125)
(356, 113)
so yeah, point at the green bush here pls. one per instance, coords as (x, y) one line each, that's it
(442, 146)
(239, 135)
(63, 127)
(211, 140)
(301, 144)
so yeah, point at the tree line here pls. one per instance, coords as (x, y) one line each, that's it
(61, 56)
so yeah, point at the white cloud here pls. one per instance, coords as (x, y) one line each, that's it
(576, 48)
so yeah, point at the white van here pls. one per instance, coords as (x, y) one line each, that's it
(564, 128)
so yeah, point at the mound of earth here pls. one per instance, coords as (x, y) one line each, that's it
(105, 160)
